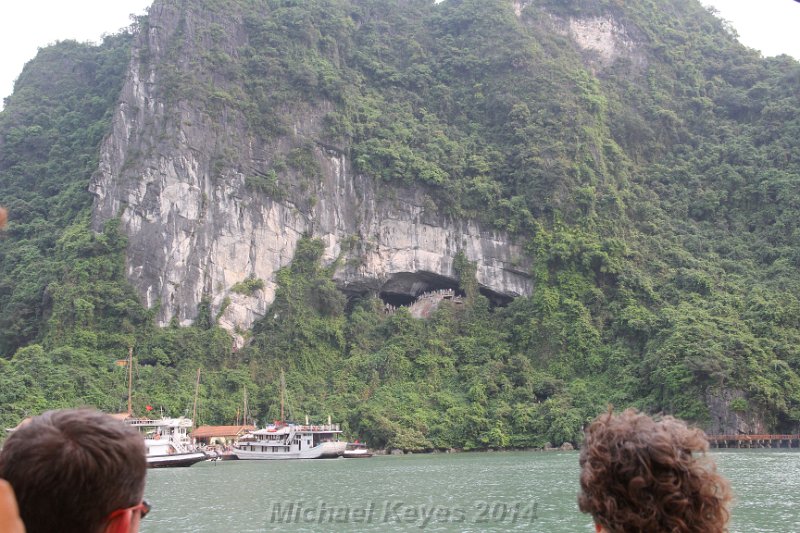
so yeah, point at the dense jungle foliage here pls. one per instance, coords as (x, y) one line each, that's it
(658, 195)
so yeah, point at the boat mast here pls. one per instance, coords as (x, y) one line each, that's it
(194, 407)
(283, 393)
(130, 380)
(244, 415)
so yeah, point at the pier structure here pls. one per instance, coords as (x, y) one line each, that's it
(754, 441)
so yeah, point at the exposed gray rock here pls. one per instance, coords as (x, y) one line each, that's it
(726, 421)
(176, 177)
(603, 41)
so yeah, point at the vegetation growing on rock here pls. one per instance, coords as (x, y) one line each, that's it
(659, 199)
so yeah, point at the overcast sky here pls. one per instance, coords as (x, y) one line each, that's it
(767, 25)
(25, 25)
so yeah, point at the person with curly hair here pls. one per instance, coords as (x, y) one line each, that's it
(650, 476)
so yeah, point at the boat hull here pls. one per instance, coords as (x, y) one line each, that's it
(326, 450)
(227, 457)
(175, 460)
(349, 454)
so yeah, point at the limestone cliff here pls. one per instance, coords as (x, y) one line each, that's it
(176, 175)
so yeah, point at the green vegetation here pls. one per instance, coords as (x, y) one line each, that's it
(248, 286)
(659, 198)
(51, 131)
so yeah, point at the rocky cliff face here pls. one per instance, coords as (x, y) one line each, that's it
(602, 40)
(177, 178)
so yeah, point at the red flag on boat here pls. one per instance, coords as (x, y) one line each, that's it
(149, 407)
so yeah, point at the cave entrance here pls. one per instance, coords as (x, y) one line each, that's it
(495, 298)
(403, 288)
(397, 300)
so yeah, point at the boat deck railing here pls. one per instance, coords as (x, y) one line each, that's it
(160, 422)
(296, 428)
(323, 427)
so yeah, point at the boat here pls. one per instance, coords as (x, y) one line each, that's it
(167, 442)
(291, 441)
(356, 450)
(218, 453)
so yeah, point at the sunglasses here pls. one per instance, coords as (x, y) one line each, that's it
(143, 508)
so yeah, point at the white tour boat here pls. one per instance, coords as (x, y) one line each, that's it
(290, 441)
(167, 441)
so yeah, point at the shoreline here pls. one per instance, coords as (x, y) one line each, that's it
(566, 447)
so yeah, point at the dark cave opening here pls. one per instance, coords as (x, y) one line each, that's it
(397, 300)
(404, 289)
(495, 299)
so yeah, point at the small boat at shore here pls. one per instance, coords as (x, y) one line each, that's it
(356, 450)
(218, 453)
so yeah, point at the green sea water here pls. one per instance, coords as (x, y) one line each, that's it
(503, 491)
